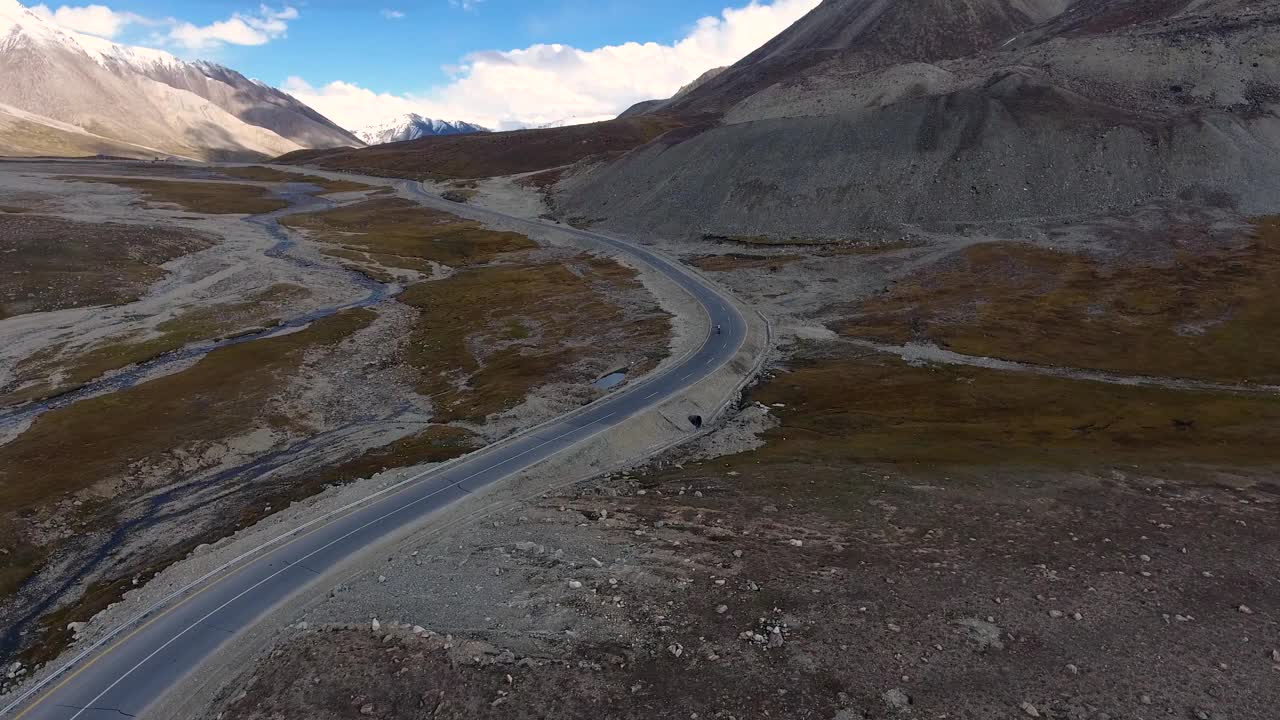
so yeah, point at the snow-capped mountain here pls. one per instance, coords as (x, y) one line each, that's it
(413, 126)
(67, 93)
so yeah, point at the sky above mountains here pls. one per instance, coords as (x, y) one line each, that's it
(498, 63)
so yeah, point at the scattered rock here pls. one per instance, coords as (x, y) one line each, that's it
(1055, 613)
(722, 609)
(1245, 610)
(366, 709)
(575, 585)
(897, 699)
(1030, 709)
(796, 543)
(984, 633)
(675, 649)
(376, 625)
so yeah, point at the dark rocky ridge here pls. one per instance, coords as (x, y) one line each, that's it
(1072, 123)
(882, 31)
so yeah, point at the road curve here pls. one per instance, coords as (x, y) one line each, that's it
(126, 672)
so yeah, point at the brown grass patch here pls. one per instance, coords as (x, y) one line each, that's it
(73, 448)
(205, 323)
(55, 264)
(266, 174)
(404, 234)
(208, 198)
(851, 411)
(490, 154)
(1209, 314)
(743, 261)
(437, 443)
(487, 336)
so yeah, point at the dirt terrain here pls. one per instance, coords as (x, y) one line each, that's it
(489, 154)
(246, 367)
(818, 577)
(53, 264)
(949, 498)
(1014, 452)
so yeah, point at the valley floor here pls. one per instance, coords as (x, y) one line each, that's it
(1020, 474)
(991, 473)
(180, 362)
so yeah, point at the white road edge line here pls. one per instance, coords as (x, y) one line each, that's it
(251, 588)
(369, 499)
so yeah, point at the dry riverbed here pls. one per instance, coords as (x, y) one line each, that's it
(245, 365)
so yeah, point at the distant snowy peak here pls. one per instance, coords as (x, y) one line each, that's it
(17, 23)
(413, 126)
(145, 97)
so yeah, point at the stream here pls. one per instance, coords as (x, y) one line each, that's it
(300, 201)
(172, 504)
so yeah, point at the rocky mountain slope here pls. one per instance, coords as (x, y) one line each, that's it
(651, 106)
(873, 114)
(138, 101)
(413, 126)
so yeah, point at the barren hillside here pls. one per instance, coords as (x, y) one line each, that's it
(1126, 103)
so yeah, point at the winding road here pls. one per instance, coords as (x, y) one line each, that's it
(129, 670)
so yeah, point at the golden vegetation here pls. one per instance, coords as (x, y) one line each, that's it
(437, 443)
(880, 409)
(401, 233)
(266, 174)
(1208, 314)
(489, 335)
(211, 322)
(73, 448)
(743, 261)
(210, 198)
(55, 264)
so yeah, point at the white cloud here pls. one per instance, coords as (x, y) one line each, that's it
(390, 14)
(240, 29)
(465, 4)
(248, 28)
(557, 83)
(97, 20)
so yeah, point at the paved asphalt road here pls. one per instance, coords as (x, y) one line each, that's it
(127, 672)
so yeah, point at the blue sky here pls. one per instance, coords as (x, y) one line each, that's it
(505, 63)
(353, 40)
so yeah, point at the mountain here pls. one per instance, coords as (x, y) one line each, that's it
(871, 33)
(412, 126)
(873, 114)
(651, 106)
(255, 103)
(65, 92)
